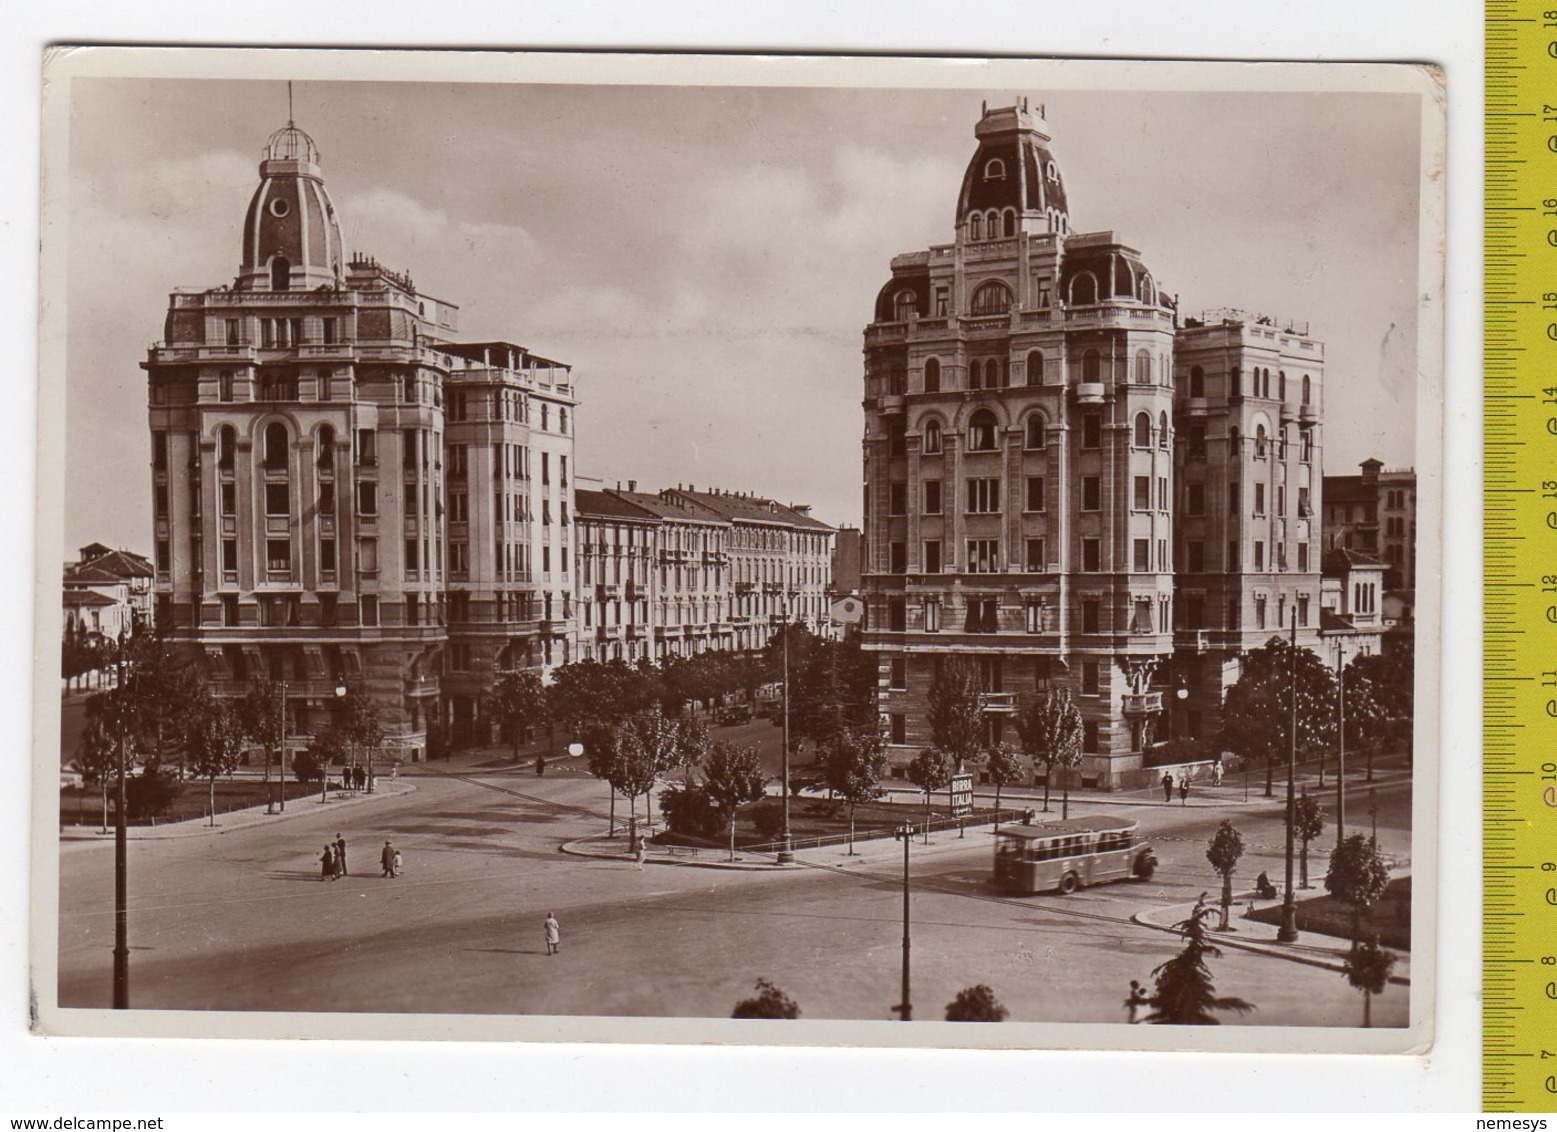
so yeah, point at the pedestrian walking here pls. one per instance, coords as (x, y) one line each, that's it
(397, 863)
(1216, 772)
(327, 862)
(387, 859)
(1167, 787)
(340, 854)
(553, 934)
(642, 854)
(1184, 790)
(1136, 999)
(540, 765)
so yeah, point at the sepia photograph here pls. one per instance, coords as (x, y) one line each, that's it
(638, 548)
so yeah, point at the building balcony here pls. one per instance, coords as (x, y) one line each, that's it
(607, 591)
(1196, 406)
(1192, 640)
(1308, 416)
(1090, 393)
(1143, 703)
(419, 686)
(998, 703)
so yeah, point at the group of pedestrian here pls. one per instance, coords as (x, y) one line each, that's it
(332, 862)
(1167, 788)
(355, 777)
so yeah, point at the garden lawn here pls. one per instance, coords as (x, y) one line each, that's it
(1390, 917)
(84, 805)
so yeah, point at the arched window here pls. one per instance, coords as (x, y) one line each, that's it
(1091, 366)
(1010, 221)
(1259, 442)
(1143, 368)
(904, 306)
(1281, 385)
(994, 169)
(1034, 367)
(1197, 381)
(932, 375)
(1037, 432)
(1265, 382)
(1083, 290)
(1143, 430)
(326, 455)
(976, 227)
(562, 421)
(982, 429)
(275, 447)
(992, 220)
(932, 437)
(224, 386)
(1145, 291)
(226, 447)
(975, 374)
(993, 297)
(1162, 430)
(1052, 171)
(1307, 389)
(1165, 367)
(280, 274)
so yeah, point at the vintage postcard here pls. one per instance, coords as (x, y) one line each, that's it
(749, 550)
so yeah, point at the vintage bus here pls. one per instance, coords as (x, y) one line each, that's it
(1064, 855)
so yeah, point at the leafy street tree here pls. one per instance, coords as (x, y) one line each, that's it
(151, 793)
(1379, 700)
(853, 761)
(519, 700)
(931, 770)
(648, 745)
(768, 1002)
(976, 1004)
(1184, 994)
(602, 751)
(1225, 849)
(1368, 969)
(955, 712)
(1308, 823)
(1357, 876)
(1052, 731)
(1003, 768)
(97, 753)
(214, 744)
(733, 777)
(260, 716)
(1257, 711)
(357, 723)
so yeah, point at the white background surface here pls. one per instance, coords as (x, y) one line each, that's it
(54, 1076)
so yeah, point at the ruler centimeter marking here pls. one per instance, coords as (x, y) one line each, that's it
(1519, 776)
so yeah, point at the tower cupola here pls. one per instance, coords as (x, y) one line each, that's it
(291, 235)
(1013, 182)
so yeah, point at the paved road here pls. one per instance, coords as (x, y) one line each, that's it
(240, 921)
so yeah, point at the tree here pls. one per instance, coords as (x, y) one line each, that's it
(519, 700)
(260, 715)
(1257, 711)
(97, 752)
(357, 723)
(602, 750)
(976, 1004)
(151, 793)
(214, 742)
(733, 777)
(930, 771)
(769, 1002)
(1003, 768)
(1184, 994)
(689, 810)
(648, 745)
(1379, 700)
(1225, 849)
(1368, 969)
(955, 711)
(1357, 876)
(1308, 822)
(853, 761)
(1052, 731)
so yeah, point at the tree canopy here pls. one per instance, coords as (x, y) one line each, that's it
(976, 1004)
(1052, 731)
(955, 712)
(1257, 712)
(1185, 994)
(768, 1002)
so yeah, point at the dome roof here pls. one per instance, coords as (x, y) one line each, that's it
(291, 144)
(1013, 166)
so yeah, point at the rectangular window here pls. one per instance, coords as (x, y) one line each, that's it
(1302, 611)
(1091, 555)
(897, 614)
(1142, 555)
(367, 447)
(160, 495)
(230, 610)
(1259, 557)
(1089, 737)
(1303, 507)
(932, 497)
(1089, 678)
(1197, 557)
(230, 555)
(1162, 555)
(412, 554)
(329, 331)
(932, 556)
(1196, 500)
(1281, 500)
(1233, 497)
(1302, 557)
(277, 499)
(983, 615)
(232, 332)
(413, 609)
(163, 554)
(983, 496)
(327, 555)
(159, 451)
(897, 673)
(1037, 559)
(897, 499)
(1259, 499)
(932, 615)
(546, 467)
(1259, 613)
(1091, 431)
(367, 498)
(897, 557)
(1234, 563)
(1162, 493)
(367, 555)
(983, 555)
(278, 555)
(546, 559)
(1035, 493)
(897, 729)
(369, 607)
(1089, 616)
(1091, 493)
(1143, 493)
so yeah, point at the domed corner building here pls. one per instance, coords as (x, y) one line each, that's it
(1071, 484)
(344, 490)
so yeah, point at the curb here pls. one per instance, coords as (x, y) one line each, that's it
(576, 848)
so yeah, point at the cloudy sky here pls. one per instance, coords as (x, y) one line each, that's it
(708, 257)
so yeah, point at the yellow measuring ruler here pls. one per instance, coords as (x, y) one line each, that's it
(1519, 785)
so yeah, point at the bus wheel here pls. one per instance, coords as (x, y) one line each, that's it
(1069, 883)
(1145, 866)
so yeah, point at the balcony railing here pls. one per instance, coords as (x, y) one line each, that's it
(999, 703)
(1142, 703)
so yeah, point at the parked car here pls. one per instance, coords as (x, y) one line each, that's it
(733, 714)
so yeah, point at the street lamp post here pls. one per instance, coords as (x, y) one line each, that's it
(1340, 758)
(905, 834)
(786, 853)
(1287, 933)
(281, 770)
(121, 851)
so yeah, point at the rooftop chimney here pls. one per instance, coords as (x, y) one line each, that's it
(632, 485)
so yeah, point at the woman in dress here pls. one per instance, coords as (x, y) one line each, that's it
(327, 863)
